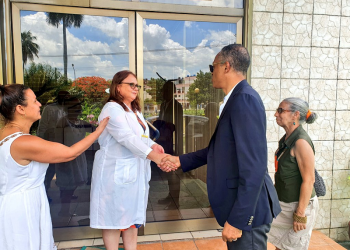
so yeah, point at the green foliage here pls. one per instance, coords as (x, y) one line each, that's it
(77, 92)
(150, 101)
(200, 112)
(45, 81)
(207, 93)
(90, 112)
(29, 47)
(68, 20)
(91, 89)
(156, 87)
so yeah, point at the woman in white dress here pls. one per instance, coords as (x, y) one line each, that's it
(121, 170)
(25, 221)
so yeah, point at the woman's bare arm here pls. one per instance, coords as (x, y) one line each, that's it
(32, 148)
(306, 162)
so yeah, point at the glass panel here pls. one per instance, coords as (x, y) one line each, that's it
(182, 104)
(212, 3)
(71, 84)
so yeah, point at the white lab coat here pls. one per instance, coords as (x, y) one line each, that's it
(121, 172)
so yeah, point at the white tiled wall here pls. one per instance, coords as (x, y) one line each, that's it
(302, 49)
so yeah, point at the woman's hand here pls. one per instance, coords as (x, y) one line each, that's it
(102, 125)
(169, 163)
(157, 148)
(299, 220)
(298, 226)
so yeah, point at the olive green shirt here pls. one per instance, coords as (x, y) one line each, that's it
(288, 178)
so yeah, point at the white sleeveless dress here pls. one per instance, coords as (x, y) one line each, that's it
(25, 220)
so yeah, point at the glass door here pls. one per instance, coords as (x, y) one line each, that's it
(180, 102)
(68, 57)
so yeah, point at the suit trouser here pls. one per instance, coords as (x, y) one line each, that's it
(256, 239)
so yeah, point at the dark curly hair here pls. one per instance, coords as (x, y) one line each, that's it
(11, 96)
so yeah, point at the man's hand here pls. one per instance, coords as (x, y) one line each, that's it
(230, 233)
(169, 163)
(157, 148)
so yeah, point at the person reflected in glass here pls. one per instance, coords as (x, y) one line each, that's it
(121, 170)
(170, 121)
(69, 175)
(51, 114)
(25, 221)
(171, 114)
(211, 111)
(294, 177)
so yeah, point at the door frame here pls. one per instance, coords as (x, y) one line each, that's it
(140, 16)
(135, 21)
(16, 22)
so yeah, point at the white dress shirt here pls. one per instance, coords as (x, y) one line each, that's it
(225, 100)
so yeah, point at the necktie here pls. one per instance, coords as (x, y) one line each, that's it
(141, 123)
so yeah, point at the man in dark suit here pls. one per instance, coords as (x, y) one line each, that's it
(240, 190)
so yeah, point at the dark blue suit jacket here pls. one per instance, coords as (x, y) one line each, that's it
(240, 189)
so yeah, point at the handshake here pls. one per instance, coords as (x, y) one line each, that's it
(164, 161)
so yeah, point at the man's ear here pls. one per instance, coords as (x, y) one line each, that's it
(227, 66)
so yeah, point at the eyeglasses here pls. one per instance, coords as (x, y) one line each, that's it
(281, 110)
(132, 85)
(211, 67)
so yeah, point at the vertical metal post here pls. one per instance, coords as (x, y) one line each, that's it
(74, 71)
(3, 72)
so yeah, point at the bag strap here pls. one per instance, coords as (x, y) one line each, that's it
(278, 156)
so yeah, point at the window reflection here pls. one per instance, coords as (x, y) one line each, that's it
(68, 63)
(73, 174)
(212, 3)
(182, 103)
(178, 99)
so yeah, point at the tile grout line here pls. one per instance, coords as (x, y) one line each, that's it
(194, 239)
(161, 241)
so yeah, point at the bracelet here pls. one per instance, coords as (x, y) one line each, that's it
(299, 219)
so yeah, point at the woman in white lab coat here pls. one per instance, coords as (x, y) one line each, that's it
(121, 170)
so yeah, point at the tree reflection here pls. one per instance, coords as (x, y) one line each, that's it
(68, 20)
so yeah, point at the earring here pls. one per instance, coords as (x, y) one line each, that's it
(293, 123)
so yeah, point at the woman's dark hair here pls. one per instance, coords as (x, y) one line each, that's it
(114, 94)
(11, 96)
